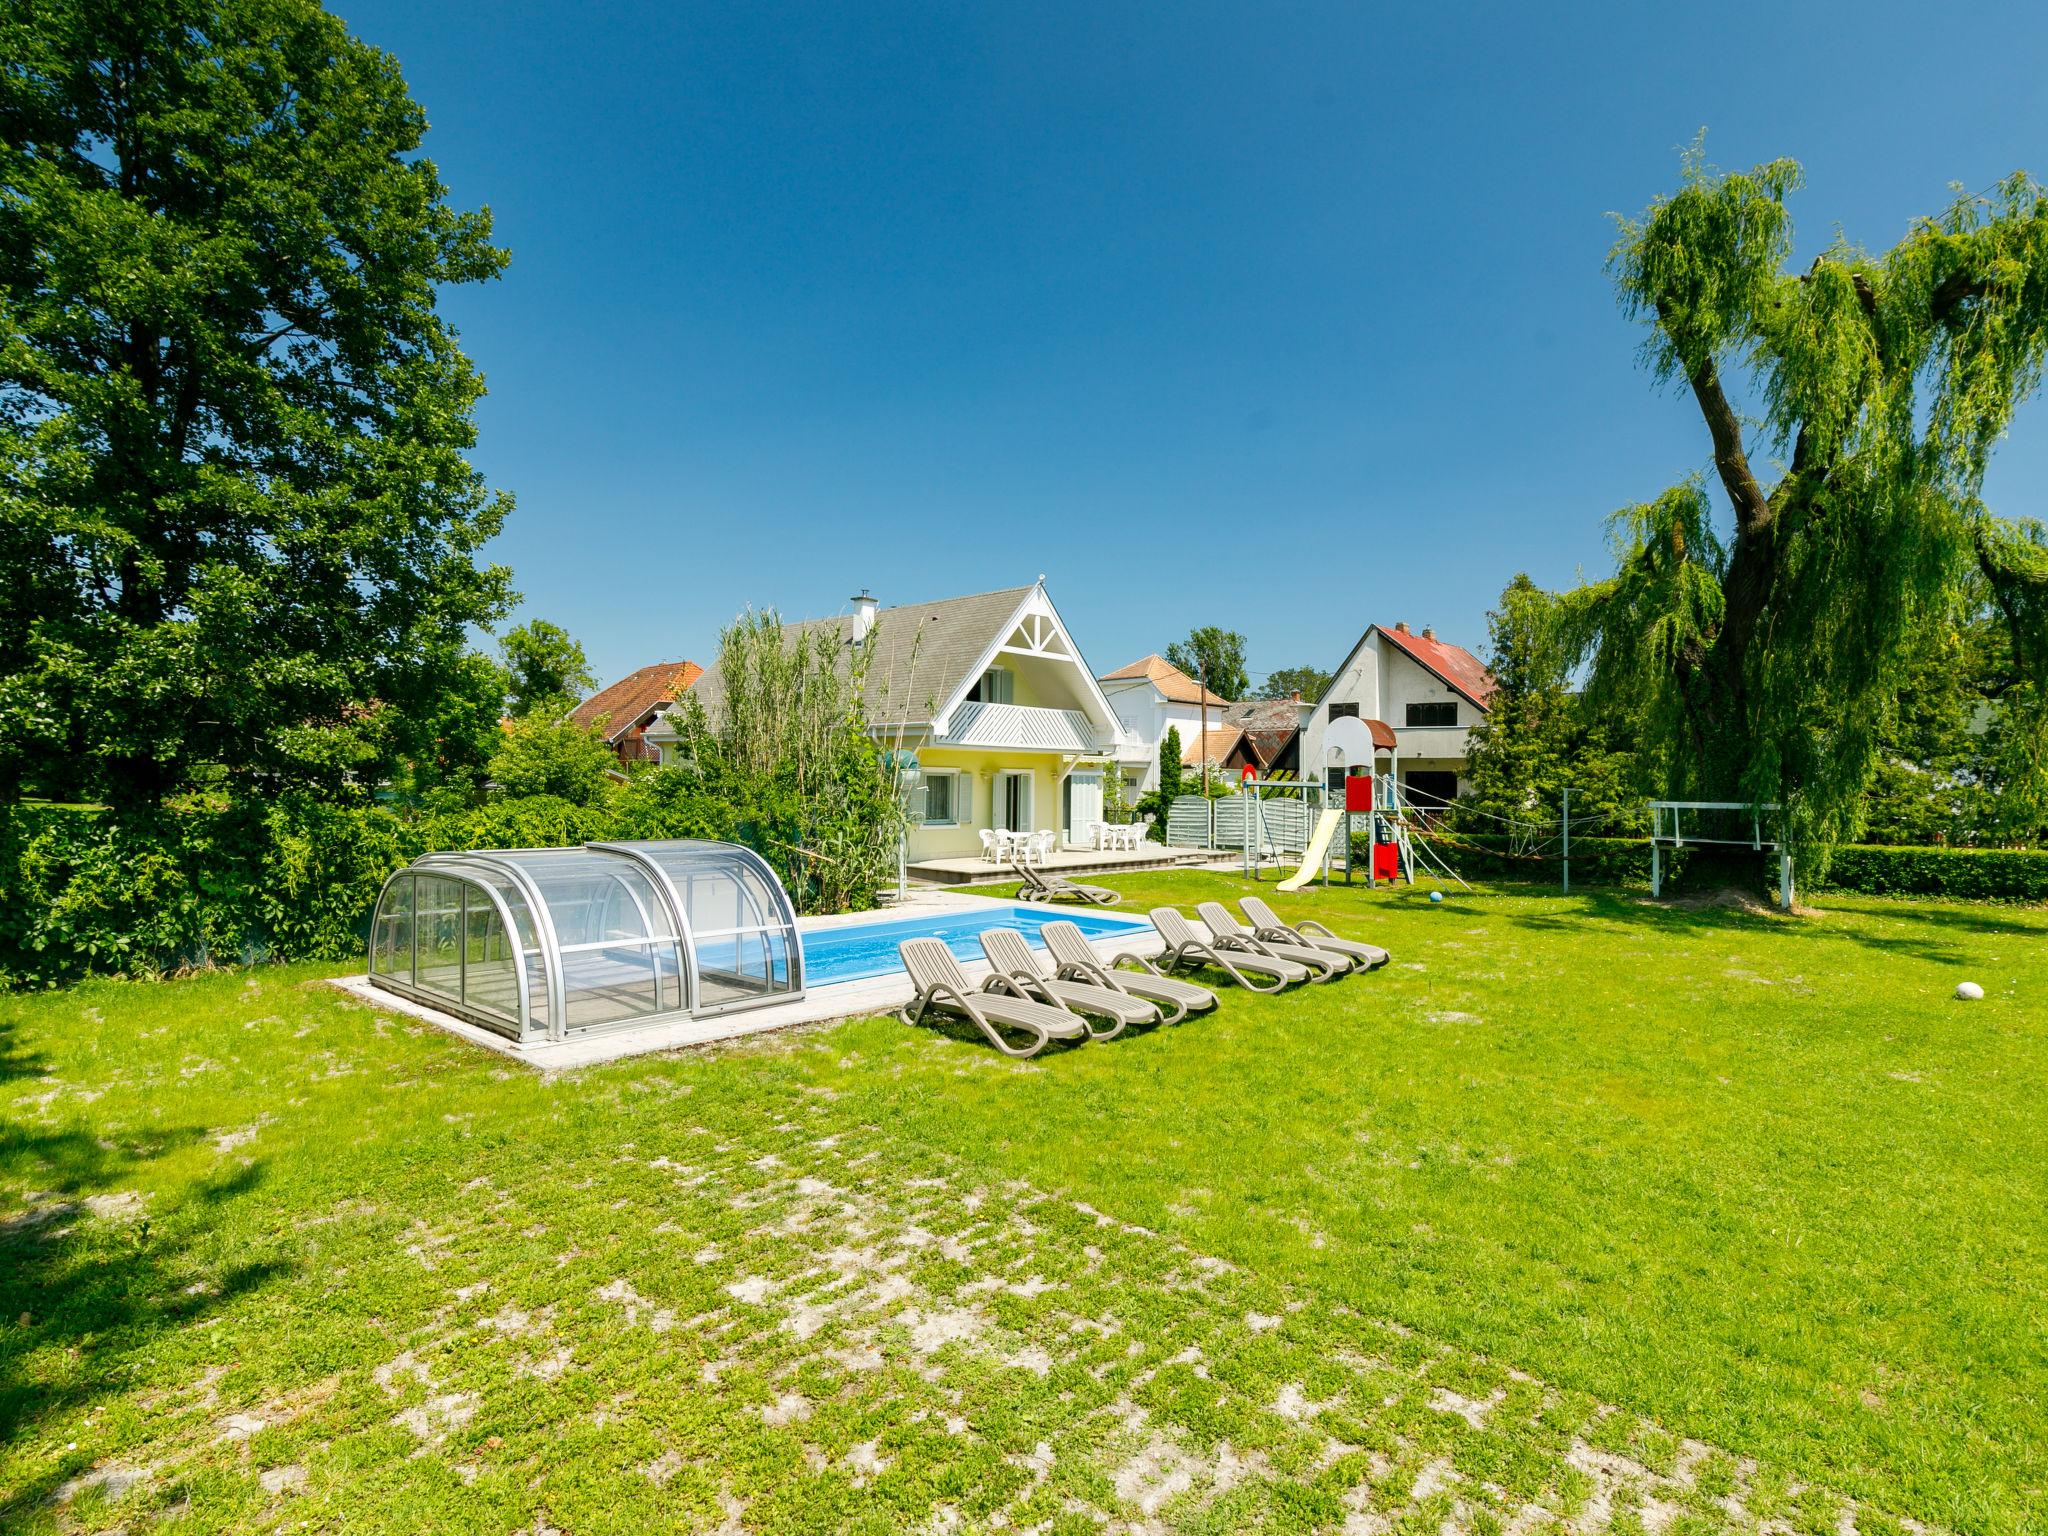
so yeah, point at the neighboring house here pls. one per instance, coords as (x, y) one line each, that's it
(995, 699)
(1429, 691)
(1152, 694)
(1271, 732)
(632, 704)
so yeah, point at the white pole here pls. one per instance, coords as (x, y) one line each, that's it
(1567, 839)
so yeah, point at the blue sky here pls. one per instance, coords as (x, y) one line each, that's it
(1288, 318)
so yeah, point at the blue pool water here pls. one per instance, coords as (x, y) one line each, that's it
(861, 950)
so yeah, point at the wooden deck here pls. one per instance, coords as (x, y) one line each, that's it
(972, 869)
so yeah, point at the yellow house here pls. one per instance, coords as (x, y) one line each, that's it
(1004, 714)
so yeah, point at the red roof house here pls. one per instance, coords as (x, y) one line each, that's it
(629, 706)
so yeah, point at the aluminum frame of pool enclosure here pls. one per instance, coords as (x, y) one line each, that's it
(541, 944)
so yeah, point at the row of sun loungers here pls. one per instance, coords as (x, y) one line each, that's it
(1024, 1005)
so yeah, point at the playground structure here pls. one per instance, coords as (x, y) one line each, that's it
(1360, 799)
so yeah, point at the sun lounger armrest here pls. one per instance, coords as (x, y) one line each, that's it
(1213, 954)
(952, 993)
(1309, 925)
(1075, 970)
(1015, 986)
(1139, 960)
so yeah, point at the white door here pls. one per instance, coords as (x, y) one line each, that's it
(1013, 801)
(1083, 808)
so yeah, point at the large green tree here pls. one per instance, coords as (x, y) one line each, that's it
(1214, 656)
(1538, 738)
(545, 668)
(1283, 682)
(1947, 744)
(1760, 640)
(238, 527)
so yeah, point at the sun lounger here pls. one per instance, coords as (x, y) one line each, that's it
(1229, 934)
(1186, 946)
(1043, 885)
(1267, 925)
(942, 986)
(1010, 953)
(1076, 958)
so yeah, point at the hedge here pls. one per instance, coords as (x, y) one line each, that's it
(1965, 874)
(84, 892)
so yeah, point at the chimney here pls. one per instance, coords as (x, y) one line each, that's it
(863, 615)
(1428, 633)
(1402, 627)
(1294, 697)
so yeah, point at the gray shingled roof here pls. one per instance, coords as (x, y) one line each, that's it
(920, 653)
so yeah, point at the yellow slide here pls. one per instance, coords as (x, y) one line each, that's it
(1312, 861)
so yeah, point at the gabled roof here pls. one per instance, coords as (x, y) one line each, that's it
(1174, 684)
(920, 654)
(1453, 663)
(623, 704)
(1213, 745)
(1268, 724)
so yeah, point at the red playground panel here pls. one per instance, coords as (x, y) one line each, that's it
(1386, 862)
(1358, 792)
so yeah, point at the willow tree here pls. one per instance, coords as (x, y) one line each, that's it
(1761, 641)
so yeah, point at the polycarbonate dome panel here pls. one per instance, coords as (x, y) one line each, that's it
(549, 942)
(445, 938)
(741, 925)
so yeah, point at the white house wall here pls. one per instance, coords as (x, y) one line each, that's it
(1147, 716)
(1383, 680)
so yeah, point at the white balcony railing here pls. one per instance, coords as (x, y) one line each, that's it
(1025, 727)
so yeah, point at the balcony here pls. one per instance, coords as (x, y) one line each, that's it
(1027, 728)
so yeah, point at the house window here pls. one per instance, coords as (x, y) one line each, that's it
(995, 686)
(941, 798)
(1345, 712)
(1440, 712)
(1430, 789)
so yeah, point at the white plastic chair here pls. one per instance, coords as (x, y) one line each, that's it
(989, 847)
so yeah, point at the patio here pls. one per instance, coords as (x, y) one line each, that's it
(973, 868)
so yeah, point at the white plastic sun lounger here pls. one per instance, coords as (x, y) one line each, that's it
(1186, 946)
(1267, 925)
(1041, 886)
(1229, 934)
(1010, 953)
(1076, 958)
(942, 986)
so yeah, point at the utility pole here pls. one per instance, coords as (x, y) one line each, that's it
(1204, 747)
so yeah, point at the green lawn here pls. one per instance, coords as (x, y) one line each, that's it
(1655, 1220)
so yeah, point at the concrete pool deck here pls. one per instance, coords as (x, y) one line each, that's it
(818, 1005)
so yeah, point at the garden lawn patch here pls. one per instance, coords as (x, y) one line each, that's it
(1680, 1221)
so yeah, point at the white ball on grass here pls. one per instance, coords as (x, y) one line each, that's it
(1969, 991)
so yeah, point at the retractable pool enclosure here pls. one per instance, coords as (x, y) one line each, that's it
(549, 943)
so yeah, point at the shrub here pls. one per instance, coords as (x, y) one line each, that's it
(552, 756)
(1971, 874)
(86, 892)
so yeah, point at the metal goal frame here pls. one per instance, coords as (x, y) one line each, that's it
(1667, 830)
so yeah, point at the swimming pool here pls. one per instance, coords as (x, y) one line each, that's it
(861, 950)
